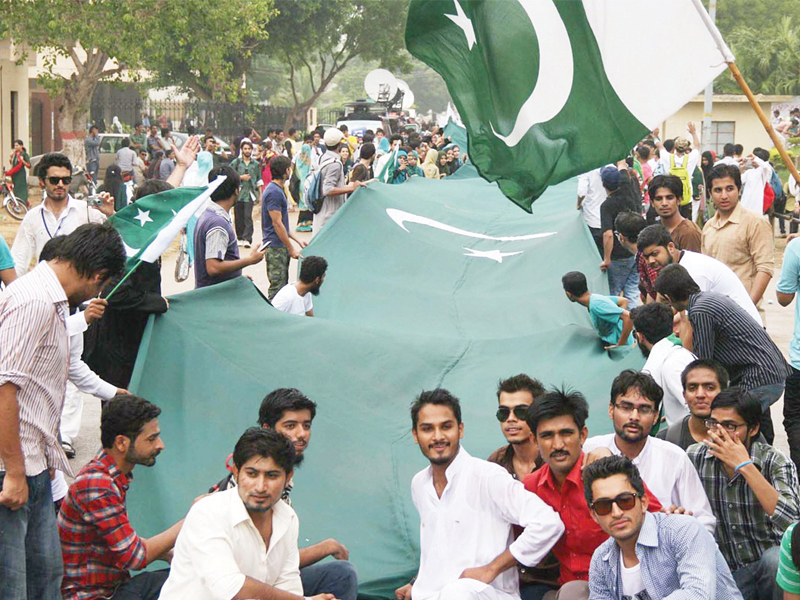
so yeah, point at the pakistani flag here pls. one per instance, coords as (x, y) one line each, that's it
(549, 89)
(149, 225)
(389, 166)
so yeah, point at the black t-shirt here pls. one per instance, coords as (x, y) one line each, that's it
(609, 209)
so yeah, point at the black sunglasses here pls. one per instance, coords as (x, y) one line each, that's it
(625, 501)
(55, 180)
(521, 412)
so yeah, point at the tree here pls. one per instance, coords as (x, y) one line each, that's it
(106, 39)
(317, 39)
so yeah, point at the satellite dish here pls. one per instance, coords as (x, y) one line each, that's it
(408, 95)
(380, 85)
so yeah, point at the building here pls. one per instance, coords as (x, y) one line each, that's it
(14, 98)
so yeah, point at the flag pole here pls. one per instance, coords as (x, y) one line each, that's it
(123, 280)
(737, 75)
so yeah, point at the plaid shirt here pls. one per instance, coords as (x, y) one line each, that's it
(647, 276)
(97, 541)
(744, 530)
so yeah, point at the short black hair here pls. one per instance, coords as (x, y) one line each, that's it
(311, 268)
(395, 137)
(151, 186)
(521, 382)
(745, 403)
(50, 249)
(630, 224)
(268, 443)
(292, 131)
(653, 235)
(643, 151)
(669, 145)
(710, 364)
(343, 128)
(93, 248)
(367, 151)
(641, 382)
(126, 142)
(52, 159)
(279, 166)
(608, 466)
(738, 149)
(125, 414)
(558, 403)
(653, 321)
(672, 182)
(761, 153)
(721, 172)
(440, 397)
(280, 401)
(308, 138)
(728, 150)
(674, 281)
(229, 187)
(574, 282)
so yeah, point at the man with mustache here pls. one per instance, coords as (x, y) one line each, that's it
(558, 420)
(290, 412)
(296, 298)
(98, 543)
(634, 409)
(467, 507)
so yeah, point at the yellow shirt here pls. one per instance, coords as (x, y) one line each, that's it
(743, 241)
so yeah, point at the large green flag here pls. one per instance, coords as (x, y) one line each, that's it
(549, 89)
(149, 225)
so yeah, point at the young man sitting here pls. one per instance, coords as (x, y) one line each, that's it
(608, 314)
(649, 555)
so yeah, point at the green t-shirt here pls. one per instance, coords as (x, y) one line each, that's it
(788, 575)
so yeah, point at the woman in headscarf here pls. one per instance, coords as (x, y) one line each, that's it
(112, 183)
(385, 145)
(442, 159)
(413, 165)
(707, 160)
(302, 167)
(400, 174)
(429, 167)
(20, 161)
(155, 165)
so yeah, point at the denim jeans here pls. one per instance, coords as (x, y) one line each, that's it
(30, 551)
(145, 586)
(337, 577)
(623, 277)
(767, 395)
(756, 581)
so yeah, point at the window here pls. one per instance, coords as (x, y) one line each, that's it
(722, 132)
(109, 144)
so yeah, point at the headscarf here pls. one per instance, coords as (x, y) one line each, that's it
(443, 170)
(429, 167)
(402, 154)
(303, 164)
(385, 145)
(112, 183)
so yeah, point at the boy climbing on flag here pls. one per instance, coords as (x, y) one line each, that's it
(609, 314)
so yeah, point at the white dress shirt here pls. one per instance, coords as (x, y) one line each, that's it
(668, 473)
(665, 364)
(40, 224)
(753, 182)
(219, 547)
(712, 275)
(590, 188)
(727, 160)
(81, 376)
(470, 525)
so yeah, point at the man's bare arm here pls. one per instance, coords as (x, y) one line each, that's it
(14, 494)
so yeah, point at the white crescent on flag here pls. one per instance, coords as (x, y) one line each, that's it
(400, 217)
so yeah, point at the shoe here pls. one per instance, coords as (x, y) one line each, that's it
(303, 228)
(245, 244)
(69, 450)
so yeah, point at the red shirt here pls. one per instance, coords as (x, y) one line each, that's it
(98, 544)
(582, 534)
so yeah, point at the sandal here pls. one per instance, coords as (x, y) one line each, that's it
(69, 449)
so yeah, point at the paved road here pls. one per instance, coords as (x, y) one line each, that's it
(780, 323)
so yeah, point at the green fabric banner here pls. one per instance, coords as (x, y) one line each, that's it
(431, 283)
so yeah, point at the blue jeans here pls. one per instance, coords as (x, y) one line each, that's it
(337, 577)
(145, 586)
(623, 277)
(30, 551)
(756, 581)
(767, 395)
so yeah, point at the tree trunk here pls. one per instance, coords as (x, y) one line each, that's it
(74, 112)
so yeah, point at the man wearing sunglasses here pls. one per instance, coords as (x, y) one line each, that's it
(558, 420)
(649, 555)
(634, 409)
(58, 214)
(520, 457)
(752, 488)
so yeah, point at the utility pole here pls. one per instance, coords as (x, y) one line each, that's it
(708, 103)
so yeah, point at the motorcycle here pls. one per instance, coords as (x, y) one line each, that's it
(14, 207)
(83, 184)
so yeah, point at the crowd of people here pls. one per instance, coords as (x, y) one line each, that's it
(686, 498)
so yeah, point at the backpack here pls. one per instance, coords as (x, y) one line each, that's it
(777, 187)
(313, 186)
(682, 173)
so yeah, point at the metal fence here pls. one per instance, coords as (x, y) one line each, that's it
(227, 120)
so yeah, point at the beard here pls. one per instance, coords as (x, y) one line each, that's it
(147, 460)
(630, 436)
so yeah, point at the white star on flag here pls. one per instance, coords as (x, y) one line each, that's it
(494, 255)
(143, 216)
(464, 23)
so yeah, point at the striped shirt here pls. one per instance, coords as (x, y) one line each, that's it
(744, 530)
(34, 357)
(725, 332)
(788, 574)
(98, 544)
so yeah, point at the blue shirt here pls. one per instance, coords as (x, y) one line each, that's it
(273, 198)
(6, 260)
(606, 318)
(214, 223)
(789, 284)
(675, 552)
